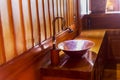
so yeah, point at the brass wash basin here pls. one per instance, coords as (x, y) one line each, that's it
(75, 48)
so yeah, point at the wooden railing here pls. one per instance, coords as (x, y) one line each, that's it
(26, 23)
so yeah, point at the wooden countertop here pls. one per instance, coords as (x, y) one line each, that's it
(95, 36)
(77, 68)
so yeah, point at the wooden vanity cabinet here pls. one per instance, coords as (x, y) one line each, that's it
(100, 61)
(87, 68)
(113, 46)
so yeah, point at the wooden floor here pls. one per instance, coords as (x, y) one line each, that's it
(112, 72)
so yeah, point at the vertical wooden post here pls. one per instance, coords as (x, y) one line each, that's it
(2, 48)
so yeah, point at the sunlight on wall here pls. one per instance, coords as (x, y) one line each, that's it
(113, 6)
(84, 6)
(109, 5)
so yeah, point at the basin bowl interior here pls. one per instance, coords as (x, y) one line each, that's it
(75, 48)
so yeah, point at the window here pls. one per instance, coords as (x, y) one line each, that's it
(113, 6)
(84, 4)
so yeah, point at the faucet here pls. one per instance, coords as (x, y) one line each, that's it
(55, 52)
(63, 28)
(54, 32)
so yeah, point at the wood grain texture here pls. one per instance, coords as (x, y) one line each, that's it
(45, 27)
(25, 26)
(46, 9)
(42, 28)
(2, 49)
(38, 19)
(22, 25)
(35, 22)
(27, 23)
(65, 11)
(27, 65)
(18, 27)
(50, 21)
(51, 10)
(56, 14)
(7, 27)
(71, 11)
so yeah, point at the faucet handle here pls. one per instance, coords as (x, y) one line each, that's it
(64, 27)
(70, 30)
(67, 28)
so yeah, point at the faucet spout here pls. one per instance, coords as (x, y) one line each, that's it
(63, 28)
(54, 31)
(55, 52)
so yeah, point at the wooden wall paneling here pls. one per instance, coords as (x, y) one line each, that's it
(79, 8)
(56, 14)
(35, 22)
(21, 16)
(62, 7)
(45, 28)
(68, 12)
(41, 18)
(38, 19)
(27, 23)
(22, 25)
(75, 7)
(2, 49)
(47, 22)
(51, 8)
(59, 14)
(61, 11)
(70, 7)
(10, 14)
(7, 27)
(65, 11)
(19, 32)
(29, 9)
(71, 11)
(49, 11)
(58, 21)
(25, 28)
(27, 65)
(42, 28)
